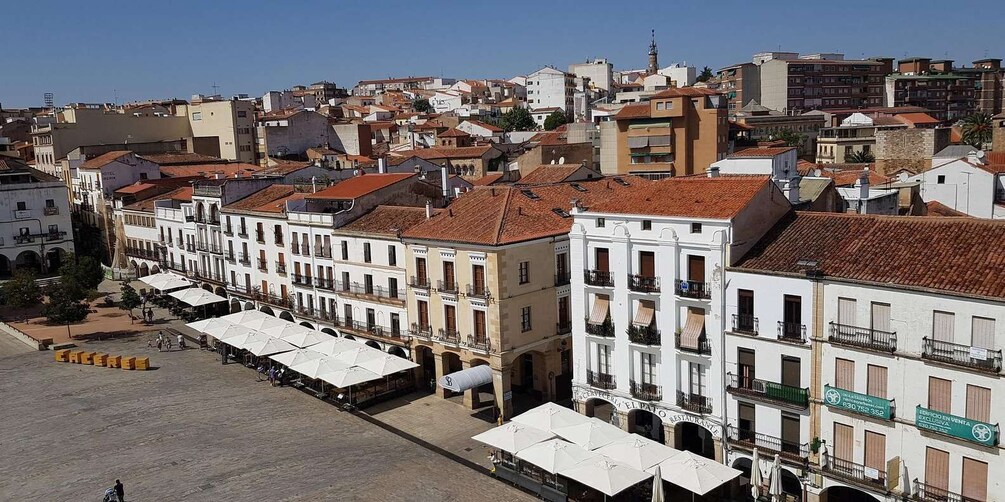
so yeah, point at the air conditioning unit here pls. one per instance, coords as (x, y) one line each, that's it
(758, 386)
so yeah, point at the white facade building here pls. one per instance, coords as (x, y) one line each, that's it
(36, 232)
(969, 185)
(551, 88)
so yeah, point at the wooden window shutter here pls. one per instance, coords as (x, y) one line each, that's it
(978, 403)
(937, 468)
(940, 395)
(844, 374)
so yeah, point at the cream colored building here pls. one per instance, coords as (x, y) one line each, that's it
(231, 120)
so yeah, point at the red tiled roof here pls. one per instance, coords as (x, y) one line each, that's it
(936, 208)
(182, 194)
(453, 132)
(634, 111)
(479, 123)
(805, 167)
(550, 173)
(955, 255)
(134, 188)
(387, 220)
(167, 159)
(687, 92)
(269, 199)
(917, 118)
(698, 197)
(501, 215)
(359, 186)
(761, 152)
(488, 179)
(995, 157)
(104, 159)
(445, 152)
(209, 170)
(850, 177)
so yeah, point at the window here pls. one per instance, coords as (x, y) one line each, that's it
(698, 382)
(660, 105)
(790, 433)
(345, 281)
(696, 228)
(975, 479)
(50, 203)
(937, 468)
(647, 368)
(242, 114)
(983, 333)
(423, 308)
(524, 272)
(941, 179)
(844, 441)
(366, 252)
(525, 319)
(604, 359)
(392, 255)
(420, 271)
(940, 396)
(978, 403)
(21, 206)
(392, 287)
(479, 325)
(601, 222)
(943, 324)
(844, 374)
(53, 229)
(450, 318)
(345, 250)
(875, 451)
(196, 116)
(647, 224)
(846, 311)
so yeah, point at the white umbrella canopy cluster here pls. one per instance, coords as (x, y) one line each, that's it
(165, 281)
(695, 473)
(608, 476)
(196, 297)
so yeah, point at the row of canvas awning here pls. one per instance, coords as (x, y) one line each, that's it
(694, 325)
(196, 296)
(644, 141)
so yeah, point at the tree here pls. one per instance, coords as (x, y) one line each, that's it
(860, 157)
(84, 270)
(422, 105)
(554, 120)
(22, 291)
(130, 299)
(977, 129)
(790, 137)
(518, 119)
(65, 302)
(705, 75)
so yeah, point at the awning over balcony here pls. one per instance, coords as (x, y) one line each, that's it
(665, 140)
(693, 328)
(471, 378)
(643, 315)
(601, 308)
(638, 141)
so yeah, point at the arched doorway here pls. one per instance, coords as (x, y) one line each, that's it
(144, 270)
(155, 270)
(329, 331)
(427, 367)
(5, 266)
(135, 267)
(695, 439)
(54, 259)
(28, 260)
(235, 306)
(208, 287)
(646, 424)
(220, 291)
(451, 364)
(307, 325)
(286, 316)
(601, 409)
(844, 494)
(267, 310)
(395, 350)
(250, 306)
(371, 343)
(791, 485)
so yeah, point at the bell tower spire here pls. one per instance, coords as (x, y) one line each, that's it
(653, 55)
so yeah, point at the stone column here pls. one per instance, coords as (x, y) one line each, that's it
(441, 370)
(717, 448)
(418, 373)
(501, 384)
(579, 406)
(668, 434)
(622, 420)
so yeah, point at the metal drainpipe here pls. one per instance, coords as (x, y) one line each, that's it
(722, 343)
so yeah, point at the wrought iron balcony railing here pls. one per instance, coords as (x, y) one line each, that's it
(768, 391)
(695, 403)
(645, 335)
(965, 356)
(643, 284)
(693, 289)
(791, 332)
(598, 278)
(866, 338)
(600, 380)
(746, 324)
(645, 391)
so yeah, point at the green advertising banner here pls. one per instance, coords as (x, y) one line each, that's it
(958, 427)
(862, 404)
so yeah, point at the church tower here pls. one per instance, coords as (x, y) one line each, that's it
(654, 65)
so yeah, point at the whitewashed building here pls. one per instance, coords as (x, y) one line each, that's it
(969, 185)
(36, 231)
(550, 88)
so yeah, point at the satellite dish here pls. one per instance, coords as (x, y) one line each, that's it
(561, 160)
(980, 154)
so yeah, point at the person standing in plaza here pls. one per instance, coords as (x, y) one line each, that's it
(120, 492)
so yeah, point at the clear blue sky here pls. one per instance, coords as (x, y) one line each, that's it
(92, 50)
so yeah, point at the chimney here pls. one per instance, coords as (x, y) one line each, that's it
(429, 208)
(793, 191)
(863, 184)
(381, 165)
(713, 171)
(443, 182)
(314, 184)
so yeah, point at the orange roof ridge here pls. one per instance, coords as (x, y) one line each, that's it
(502, 214)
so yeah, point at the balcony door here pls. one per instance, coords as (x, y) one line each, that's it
(844, 442)
(450, 318)
(423, 309)
(563, 311)
(846, 312)
(603, 260)
(647, 264)
(420, 270)
(747, 421)
(696, 268)
(745, 366)
(790, 371)
(479, 325)
(790, 433)
(478, 278)
(792, 313)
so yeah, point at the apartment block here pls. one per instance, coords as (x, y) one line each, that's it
(231, 120)
(947, 92)
(795, 83)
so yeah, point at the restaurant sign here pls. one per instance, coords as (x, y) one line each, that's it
(958, 427)
(862, 404)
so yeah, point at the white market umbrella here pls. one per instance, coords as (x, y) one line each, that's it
(512, 437)
(165, 281)
(234, 331)
(657, 485)
(211, 326)
(550, 416)
(315, 367)
(755, 475)
(359, 355)
(335, 346)
(306, 339)
(555, 455)
(775, 486)
(387, 365)
(591, 434)
(269, 347)
(296, 357)
(247, 339)
(348, 377)
(265, 323)
(695, 473)
(244, 315)
(197, 297)
(606, 475)
(637, 451)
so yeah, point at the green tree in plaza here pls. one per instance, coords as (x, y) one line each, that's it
(422, 105)
(705, 75)
(130, 299)
(518, 119)
(65, 302)
(554, 120)
(976, 129)
(86, 271)
(22, 291)
(860, 157)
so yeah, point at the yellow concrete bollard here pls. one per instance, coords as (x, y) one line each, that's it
(114, 361)
(100, 359)
(75, 356)
(87, 358)
(128, 363)
(142, 363)
(63, 356)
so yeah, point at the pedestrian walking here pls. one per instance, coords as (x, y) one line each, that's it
(181, 342)
(120, 492)
(272, 376)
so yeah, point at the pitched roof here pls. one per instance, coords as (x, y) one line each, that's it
(936, 208)
(453, 132)
(850, 177)
(634, 111)
(104, 159)
(721, 197)
(446, 152)
(501, 215)
(181, 194)
(687, 92)
(168, 159)
(954, 255)
(387, 220)
(485, 125)
(995, 157)
(283, 167)
(917, 118)
(805, 167)
(271, 199)
(748, 153)
(229, 169)
(135, 188)
(550, 173)
(359, 186)
(488, 179)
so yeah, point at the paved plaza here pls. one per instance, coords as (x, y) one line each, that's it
(194, 429)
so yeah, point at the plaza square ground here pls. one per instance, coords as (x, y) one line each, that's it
(194, 429)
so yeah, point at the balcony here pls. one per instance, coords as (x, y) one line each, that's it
(295, 248)
(791, 332)
(645, 391)
(748, 440)
(448, 336)
(964, 356)
(202, 246)
(478, 291)
(856, 472)
(322, 252)
(301, 280)
(263, 265)
(598, 278)
(30, 238)
(273, 299)
(448, 288)
(373, 291)
(322, 283)
(745, 324)
(478, 342)
(228, 231)
(418, 282)
(562, 278)
(768, 391)
(50, 211)
(243, 233)
(606, 329)
(244, 260)
(643, 335)
(260, 237)
(418, 331)
(643, 284)
(280, 268)
(704, 347)
(190, 247)
(695, 403)
(215, 248)
(866, 338)
(142, 253)
(563, 328)
(600, 380)
(934, 494)
(693, 289)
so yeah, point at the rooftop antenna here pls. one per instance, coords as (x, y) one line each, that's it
(115, 96)
(215, 88)
(47, 99)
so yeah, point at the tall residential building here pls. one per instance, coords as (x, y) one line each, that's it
(647, 301)
(551, 88)
(678, 132)
(231, 120)
(741, 84)
(599, 71)
(947, 92)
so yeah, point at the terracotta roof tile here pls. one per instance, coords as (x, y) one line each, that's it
(453, 132)
(270, 199)
(697, 197)
(183, 194)
(387, 220)
(634, 111)
(954, 255)
(488, 179)
(687, 92)
(917, 118)
(550, 173)
(848, 178)
(359, 186)
(995, 157)
(936, 208)
(168, 159)
(229, 170)
(104, 159)
(748, 153)
(445, 152)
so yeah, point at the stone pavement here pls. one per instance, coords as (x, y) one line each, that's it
(194, 429)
